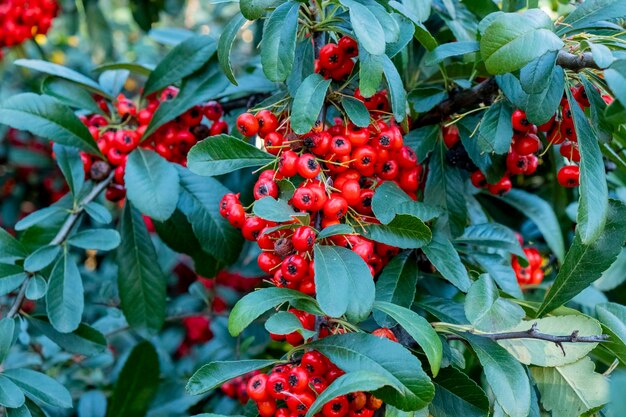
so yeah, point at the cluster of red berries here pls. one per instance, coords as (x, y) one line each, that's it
(335, 59)
(337, 171)
(172, 141)
(237, 388)
(290, 390)
(531, 274)
(22, 19)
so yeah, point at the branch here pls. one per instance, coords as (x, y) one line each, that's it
(533, 333)
(246, 102)
(576, 62)
(60, 237)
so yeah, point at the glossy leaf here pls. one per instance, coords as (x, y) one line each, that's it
(308, 102)
(223, 154)
(98, 239)
(214, 374)
(366, 26)
(491, 235)
(285, 322)
(11, 249)
(404, 231)
(487, 311)
(41, 258)
(7, 330)
(64, 299)
(396, 284)
(40, 387)
(85, 340)
(397, 93)
(11, 396)
(61, 72)
(456, 394)
(71, 166)
(442, 254)
(496, 129)
(535, 76)
(356, 111)
(449, 50)
(278, 47)
(225, 44)
(269, 208)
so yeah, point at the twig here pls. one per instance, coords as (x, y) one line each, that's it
(60, 237)
(576, 62)
(244, 102)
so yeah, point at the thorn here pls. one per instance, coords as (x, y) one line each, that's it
(559, 344)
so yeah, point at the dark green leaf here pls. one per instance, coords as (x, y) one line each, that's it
(594, 202)
(512, 40)
(269, 208)
(7, 329)
(343, 283)
(397, 93)
(253, 305)
(496, 130)
(98, 212)
(406, 31)
(97, 239)
(223, 154)
(370, 73)
(424, 99)
(152, 184)
(41, 258)
(70, 94)
(500, 269)
(85, 340)
(137, 384)
(404, 231)
(10, 394)
(254, 9)
(40, 387)
(487, 311)
(141, 281)
(364, 352)
(456, 394)
(285, 322)
(592, 11)
(491, 235)
(584, 264)
(225, 44)
(278, 47)
(199, 201)
(37, 288)
(396, 284)
(45, 116)
(505, 375)
(214, 374)
(11, 277)
(366, 26)
(535, 76)
(71, 166)
(308, 102)
(349, 383)
(335, 229)
(186, 57)
(356, 111)
(11, 249)
(139, 69)
(114, 80)
(542, 214)
(419, 329)
(448, 50)
(302, 66)
(61, 72)
(442, 254)
(65, 299)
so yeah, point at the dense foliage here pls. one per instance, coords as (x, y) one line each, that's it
(333, 208)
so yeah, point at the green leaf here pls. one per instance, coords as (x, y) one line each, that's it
(113, 81)
(334, 230)
(367, 28)
(505, 375)
(512, 40)
(65, 299)
(183, 60)
(571, 390)
(11, 249)
(85, 340)
(487, 311)
(11, 277)
(135, 68)
(613, 277)
(225, 44)
(406, 31)
(202, 86)
(152, 184)
(491, 235)
(396, 284)
(442, 254)
(500, 269)
(269, 208)
(41, 258)
(356, 111)
(363, 352)
(223, 154)
(593, 204)
(308, 102)
(544, 353)
(37, 288)
(302, 66)
(98, 213)
(370, 72)
(390, 26)
(45, 116)
(404, 231)
(496, 130)
(542, 215)
(71, 166)
(278, 47)
(199, 201)
(422, 35)
(137, 384)
(40, 387)
(423, 99)
(613, 318)
(285, 322)
(142, 284)
(254, 9)
(535, 76)
(592, 11)
(214, 374)
(348, 383)
(387, 197)
(97, 239)
(61, 72)
(343, 282)
(583, 263)
(7, 329)
(397, 93)
(70, 94)
(457, 395)
(419, 329)
(11, 396)
(449, 50)
(253, 305)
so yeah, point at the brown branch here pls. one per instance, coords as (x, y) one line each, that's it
(60, 237)
(576, 62)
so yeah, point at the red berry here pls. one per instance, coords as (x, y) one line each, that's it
(268, 122)
(569, 176)
(314, 363)
(266, 408)
(257, 388)
(294, 268)
(265, 188)
(478, 179)
(303, 239)
(384, 332)
(236, 215)
(252, 227)
(526, 145)
(308, 167)
(335, 207)
(298, 380)
(331, 56)
(303, 198)
(213, 110)
(520, 122)
(348, 46)
(337, 407)
(340, 146)
(501, 187)
(288, 164)
(570, 151)
(247, 124)
(268, 261)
